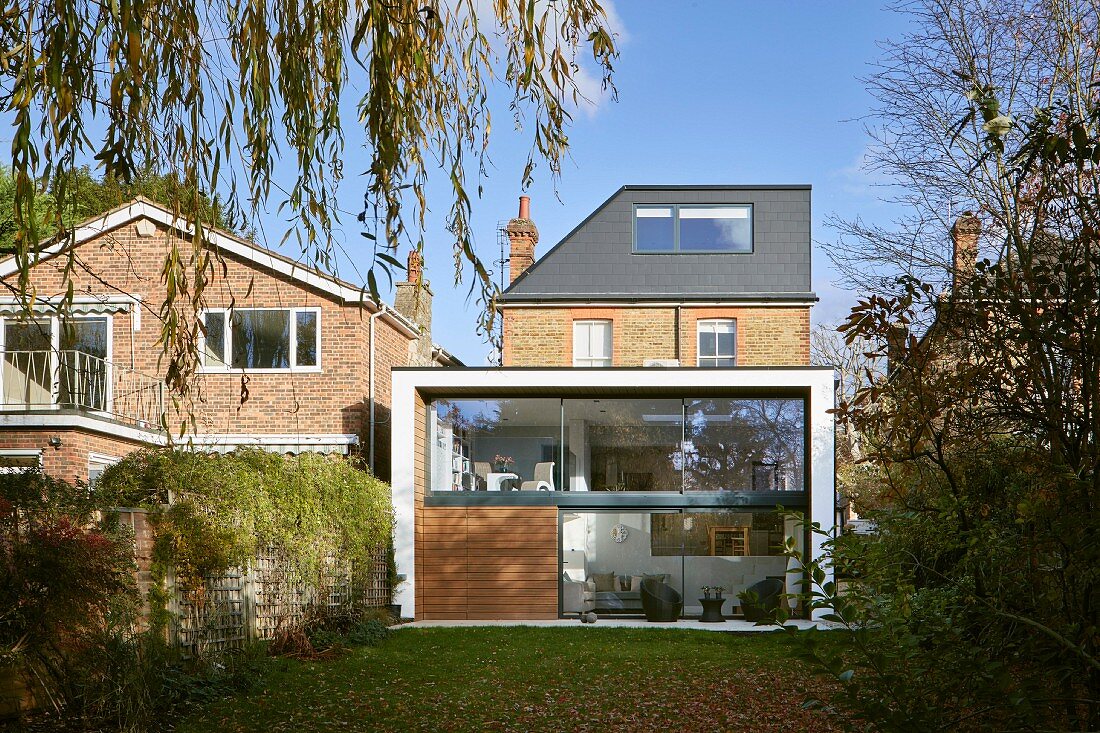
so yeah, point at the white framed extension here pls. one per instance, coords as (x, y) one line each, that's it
(814, 382)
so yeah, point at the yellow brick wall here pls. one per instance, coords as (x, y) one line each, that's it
(766, 335)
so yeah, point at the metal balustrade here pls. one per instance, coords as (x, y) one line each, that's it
(72, 379)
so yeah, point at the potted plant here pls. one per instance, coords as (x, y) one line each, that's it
(502, 464)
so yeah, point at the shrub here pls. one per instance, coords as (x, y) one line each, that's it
(66, 582)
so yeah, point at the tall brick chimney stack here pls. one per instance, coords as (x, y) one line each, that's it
(523, 235)
(413, 299)
(964, 236)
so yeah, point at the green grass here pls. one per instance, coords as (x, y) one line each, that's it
(532, 679)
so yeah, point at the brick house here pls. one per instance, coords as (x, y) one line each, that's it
(291, 359)
(654, 405)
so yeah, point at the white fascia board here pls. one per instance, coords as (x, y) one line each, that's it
(637, 303)
(406, 383)
(263, 439)
(69, 421)
(296, 271)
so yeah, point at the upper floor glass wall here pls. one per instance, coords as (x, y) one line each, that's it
(617, 445)
(495, 444)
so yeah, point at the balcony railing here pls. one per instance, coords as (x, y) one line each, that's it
(40, 380)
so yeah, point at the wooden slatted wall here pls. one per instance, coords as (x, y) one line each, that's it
(487, 563)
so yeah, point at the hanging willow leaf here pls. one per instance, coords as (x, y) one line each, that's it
(219, 95)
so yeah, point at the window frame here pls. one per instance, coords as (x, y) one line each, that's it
(610, 359)
(712, 322)
(227, 342)
(56, 324)
(676, 249)
(35, 453)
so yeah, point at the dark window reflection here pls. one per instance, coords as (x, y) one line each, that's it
(744, 444)
(261, 339)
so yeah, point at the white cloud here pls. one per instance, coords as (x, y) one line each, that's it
(592, 97)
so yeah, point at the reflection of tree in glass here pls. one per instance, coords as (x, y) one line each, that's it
(725, 438)
(261, 339)
(634, 444)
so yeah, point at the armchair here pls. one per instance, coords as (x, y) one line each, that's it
(544, 478)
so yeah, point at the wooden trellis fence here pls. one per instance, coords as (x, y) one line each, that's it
(258, 601)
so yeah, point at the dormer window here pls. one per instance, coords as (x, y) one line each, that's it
(693, 229)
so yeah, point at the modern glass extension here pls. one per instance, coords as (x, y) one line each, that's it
(592, 444)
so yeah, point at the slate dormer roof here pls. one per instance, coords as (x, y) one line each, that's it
(596, 262)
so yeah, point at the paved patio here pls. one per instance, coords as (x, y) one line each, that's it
(730, 626)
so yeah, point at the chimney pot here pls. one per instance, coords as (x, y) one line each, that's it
(523, 235)
(415, 265)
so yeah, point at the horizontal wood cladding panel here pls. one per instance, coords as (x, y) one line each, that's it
(528, 614)
(442, 616)
(536, 574)
(445, 512)
(512, 587)
(514, 563)
(487, 563)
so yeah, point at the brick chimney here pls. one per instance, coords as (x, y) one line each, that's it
(964, 237)
(523, 235)
(413, 299)
(897, 345)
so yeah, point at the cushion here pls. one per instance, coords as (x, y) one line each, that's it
(574, 574)
(605, 582)
(659, 577)
(635, 583)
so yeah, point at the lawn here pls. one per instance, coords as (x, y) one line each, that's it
(532, 679)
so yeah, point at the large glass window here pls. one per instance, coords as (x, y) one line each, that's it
(495, 445)
(623, 445)
(262, 338)
(693, 228)
(752, 444)
(617, 445)
(592, 343)
(717, 343)
(606, 555)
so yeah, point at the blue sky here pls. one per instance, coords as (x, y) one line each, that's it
(715, 92)
(710, 92)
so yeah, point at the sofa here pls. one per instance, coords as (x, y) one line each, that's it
(604, 592)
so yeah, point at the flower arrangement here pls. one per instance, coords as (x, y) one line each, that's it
(717, 590)
(503, 463)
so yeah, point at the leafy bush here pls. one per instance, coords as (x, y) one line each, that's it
(967, 611)
(211, 512)
(66, 581)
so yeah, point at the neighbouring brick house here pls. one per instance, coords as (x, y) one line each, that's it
(654, 302)
(654, 405)
(291, 359)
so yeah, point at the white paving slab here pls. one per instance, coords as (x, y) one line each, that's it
(732, 625)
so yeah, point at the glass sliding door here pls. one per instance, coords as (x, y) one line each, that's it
(624, 445)
(607, 554)
(735, 550)
(84, 379)
(506, 444)
(28, 364)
